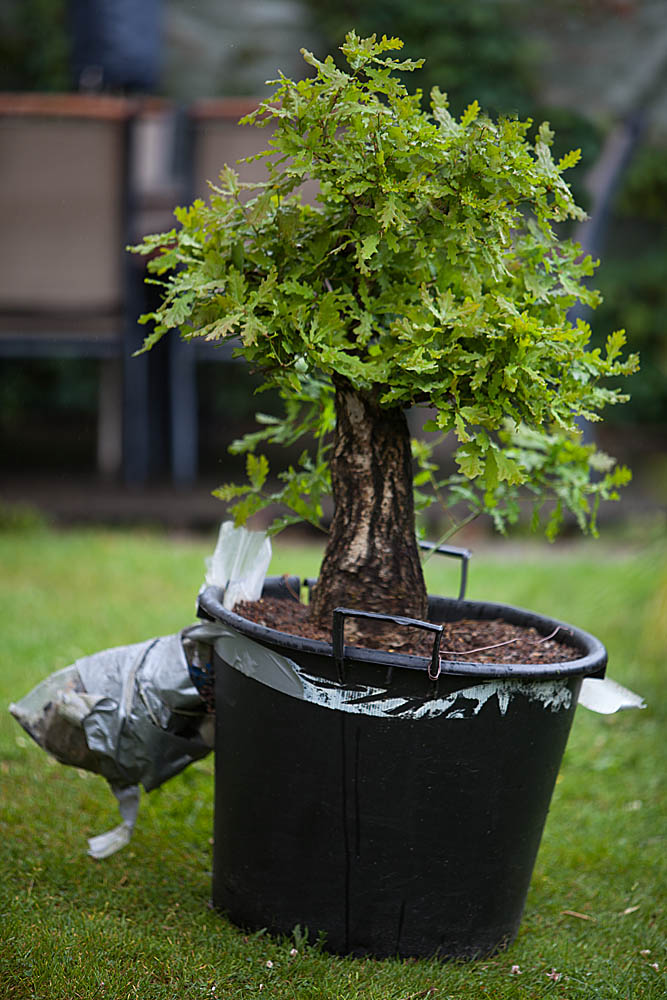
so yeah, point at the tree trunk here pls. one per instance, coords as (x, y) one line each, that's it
(372, 560)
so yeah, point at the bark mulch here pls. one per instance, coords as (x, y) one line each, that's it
(463, 639)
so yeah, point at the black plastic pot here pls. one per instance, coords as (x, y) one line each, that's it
(391, 803)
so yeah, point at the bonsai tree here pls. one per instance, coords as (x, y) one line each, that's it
(428, 272)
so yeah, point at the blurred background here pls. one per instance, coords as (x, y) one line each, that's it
(114, 111)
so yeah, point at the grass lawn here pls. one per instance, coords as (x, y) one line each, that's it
(139, 923)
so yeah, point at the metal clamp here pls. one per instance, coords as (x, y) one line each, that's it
(340, 614)
(452, 550)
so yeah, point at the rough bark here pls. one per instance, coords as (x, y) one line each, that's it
(372, 559)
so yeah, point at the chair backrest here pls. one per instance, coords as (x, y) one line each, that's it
(63, 201)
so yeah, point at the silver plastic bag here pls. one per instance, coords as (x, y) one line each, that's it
(131, 714)
(140, 714)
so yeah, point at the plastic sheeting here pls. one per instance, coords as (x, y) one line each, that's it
(139, 714)
(608, 696)
(131, 714)
(239, 563)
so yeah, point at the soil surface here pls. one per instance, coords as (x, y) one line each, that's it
(464, 640)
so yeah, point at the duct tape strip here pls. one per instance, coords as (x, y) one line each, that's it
(284, 675)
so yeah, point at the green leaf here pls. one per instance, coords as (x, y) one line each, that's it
(369, 245)
(440, 105)
(615, 343)
(257, 468)
(470, 461)
(509, 470)
(470, 114)
(152, 338)
(569, 160)
(389, 212)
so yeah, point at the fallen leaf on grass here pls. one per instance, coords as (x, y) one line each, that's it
(630, 909)
(579, 916)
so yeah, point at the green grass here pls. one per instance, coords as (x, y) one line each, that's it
(139, 924)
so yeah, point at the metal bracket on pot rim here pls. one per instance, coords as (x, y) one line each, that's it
(338, 639)
(452, 550)
(434, 666)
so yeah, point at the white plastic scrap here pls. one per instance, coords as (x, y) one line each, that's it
(239, 563)
(607, 696)
(106, 844)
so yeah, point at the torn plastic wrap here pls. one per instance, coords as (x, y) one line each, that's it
(239, 563)
(106, 844)
(607, 696)
(147, 727)
(139, 714)
(131, 714)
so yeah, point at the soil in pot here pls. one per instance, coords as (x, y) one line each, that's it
(492, 641)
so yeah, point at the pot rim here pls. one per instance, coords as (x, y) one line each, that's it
(591, 664)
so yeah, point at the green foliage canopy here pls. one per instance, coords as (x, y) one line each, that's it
(428, 271)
